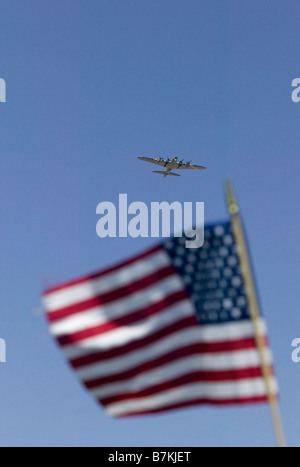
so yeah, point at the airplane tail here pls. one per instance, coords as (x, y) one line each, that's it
(165, 173)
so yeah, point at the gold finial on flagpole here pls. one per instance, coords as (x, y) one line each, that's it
(243, 254)
(231, 199)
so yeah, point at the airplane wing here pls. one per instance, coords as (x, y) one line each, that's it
(153, 161)
(191, 167)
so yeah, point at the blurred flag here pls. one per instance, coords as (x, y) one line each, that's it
(168, 328)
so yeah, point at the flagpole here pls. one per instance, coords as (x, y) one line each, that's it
(254, 311)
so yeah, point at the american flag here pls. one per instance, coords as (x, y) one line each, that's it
(166, 329)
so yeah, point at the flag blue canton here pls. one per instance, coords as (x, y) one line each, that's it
(212, 275)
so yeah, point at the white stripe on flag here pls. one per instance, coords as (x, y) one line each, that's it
(213, 391)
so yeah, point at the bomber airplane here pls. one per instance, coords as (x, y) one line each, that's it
(170, 164)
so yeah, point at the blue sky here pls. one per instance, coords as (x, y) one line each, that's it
(90, 87)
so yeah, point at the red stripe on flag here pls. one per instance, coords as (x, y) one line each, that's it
(209, 347)
(191, 403)
(194, 377)
(96, 357)
(178, 354)
(126, 320)
(111, 296)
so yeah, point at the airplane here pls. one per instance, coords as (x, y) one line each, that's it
(171, 164)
